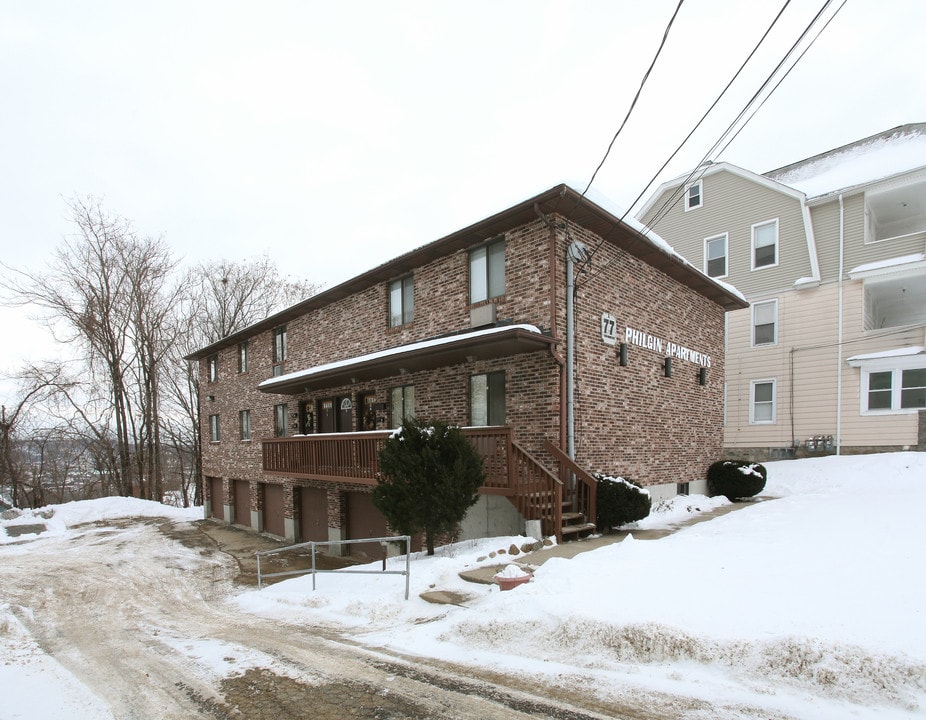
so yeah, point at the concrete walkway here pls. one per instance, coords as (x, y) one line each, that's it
(485, 575)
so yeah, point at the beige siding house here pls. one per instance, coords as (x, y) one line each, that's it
(831, 254)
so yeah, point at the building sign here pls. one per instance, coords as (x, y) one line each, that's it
(609, 329)
(668, 348)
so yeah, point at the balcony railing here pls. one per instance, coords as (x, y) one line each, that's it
(354, 458)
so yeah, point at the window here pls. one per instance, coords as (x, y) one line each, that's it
(279, 420)
(765, 323)
(244, 424)
(243, 356)
(762, 402)
(401, 301)
(214, 428)
(279, 349)
(487, 399)
(765, 244)
(896, 390)
(693, 197)
(487, 272)
(401, 404)
(212, 368)
(715, 256)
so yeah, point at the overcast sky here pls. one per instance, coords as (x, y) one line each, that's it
(333, 136)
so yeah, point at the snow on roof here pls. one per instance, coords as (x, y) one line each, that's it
(889, 263)
(869, 160)
(896, 352)
(356, 360)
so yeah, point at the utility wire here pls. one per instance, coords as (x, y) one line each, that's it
(742, 66)
(636, 97)
(723, 143)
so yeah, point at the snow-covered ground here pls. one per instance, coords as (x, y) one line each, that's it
(809, 603)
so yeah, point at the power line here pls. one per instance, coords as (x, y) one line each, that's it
(722, 143)
(697, 125)
(636, 97)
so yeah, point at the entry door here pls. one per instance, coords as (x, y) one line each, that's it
(366, 416)
(327, 420)
(345, 414)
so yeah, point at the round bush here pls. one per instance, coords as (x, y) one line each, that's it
(619, 501)
(736, 479)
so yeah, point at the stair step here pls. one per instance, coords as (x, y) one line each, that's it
(578, 529)
(569, 517)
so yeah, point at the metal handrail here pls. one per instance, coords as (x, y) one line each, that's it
(314, 570)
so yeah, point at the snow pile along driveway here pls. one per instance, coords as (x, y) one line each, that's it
(809, 604)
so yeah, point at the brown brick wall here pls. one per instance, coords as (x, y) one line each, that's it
(630, 421)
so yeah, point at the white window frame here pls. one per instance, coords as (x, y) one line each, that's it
(755, 227)
(752, 324)
(688, 204)
(752, 401)
(726, 254)
(895, 366)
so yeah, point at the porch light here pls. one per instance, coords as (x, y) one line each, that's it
(702, 376)
(622, 353)
(667, 367)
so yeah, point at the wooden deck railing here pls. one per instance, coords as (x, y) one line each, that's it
(579, 487)
(354, 457)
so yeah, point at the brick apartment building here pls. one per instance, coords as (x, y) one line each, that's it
(474, 329)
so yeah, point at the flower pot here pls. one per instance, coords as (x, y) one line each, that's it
(507, 583)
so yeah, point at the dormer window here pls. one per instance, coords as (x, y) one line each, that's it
(693, 196)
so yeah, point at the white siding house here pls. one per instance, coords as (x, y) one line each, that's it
(830, 251)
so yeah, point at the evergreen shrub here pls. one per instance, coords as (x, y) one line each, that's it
(619, 501)
(431, 474)
(736, 479)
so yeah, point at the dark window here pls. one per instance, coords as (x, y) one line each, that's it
(487, 399)
(243, 356)
(765, 323)
(280, 420)
(279, 349)
(693, 196)
(880, 390)
(487, 272)
(401, 404)
(913, 389)
(715, 251)
(765, 244)
(401, 301)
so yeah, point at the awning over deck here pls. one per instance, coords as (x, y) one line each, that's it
(425, 355)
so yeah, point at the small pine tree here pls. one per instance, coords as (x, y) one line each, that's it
(431, 474)
(736, 479)
(619, 501)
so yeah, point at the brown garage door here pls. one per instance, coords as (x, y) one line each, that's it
(364, 521)
(217, 497)
(313, 514)
(273, 509)
(243, 502)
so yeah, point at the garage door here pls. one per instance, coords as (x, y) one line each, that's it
(364, 521)
(273, 509)
(313, 514)
(243, 503)
(217, 498)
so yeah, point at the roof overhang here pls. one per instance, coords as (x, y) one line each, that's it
(425, 355)
(560, 200)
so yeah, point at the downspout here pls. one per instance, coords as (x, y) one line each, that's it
(554, 331)
(842, 227)
(575, 251)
